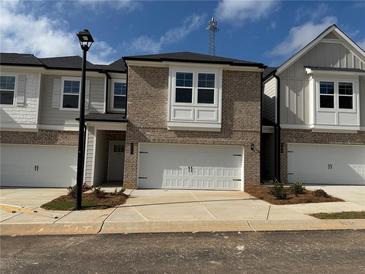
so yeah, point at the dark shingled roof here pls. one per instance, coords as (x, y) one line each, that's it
(62, 63)
(193, 58)
(268, 71)
(107, 117)
(335, 69)
(66, 62)
(19, 59)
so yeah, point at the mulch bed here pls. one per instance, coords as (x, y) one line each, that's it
(89, 201)
(265, 193)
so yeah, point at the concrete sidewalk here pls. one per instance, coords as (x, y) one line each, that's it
(166, 211)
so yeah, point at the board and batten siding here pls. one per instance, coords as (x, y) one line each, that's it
(269, 100)
(294, 81)
(50, 101)
(89, 158)
(24, 111)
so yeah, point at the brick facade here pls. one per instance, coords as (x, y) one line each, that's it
(147, 117)
(41, 137)
(307, 136)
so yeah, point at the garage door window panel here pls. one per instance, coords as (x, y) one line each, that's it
(70, 94)
(7, 90)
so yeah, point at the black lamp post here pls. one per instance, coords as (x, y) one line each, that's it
(85, 40)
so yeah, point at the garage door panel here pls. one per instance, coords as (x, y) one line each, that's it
(38, 166)
(326, 164)
(168, 166)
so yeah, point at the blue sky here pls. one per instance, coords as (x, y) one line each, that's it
(266, 31)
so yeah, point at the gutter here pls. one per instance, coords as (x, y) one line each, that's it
(106, 91)
(277, 132)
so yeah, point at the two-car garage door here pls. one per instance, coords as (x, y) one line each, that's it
(326, 164)
(190, 167)
(38, 166)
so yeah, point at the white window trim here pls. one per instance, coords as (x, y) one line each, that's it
(15, 89)
(336, 81)
(62, 93)
(112, 95)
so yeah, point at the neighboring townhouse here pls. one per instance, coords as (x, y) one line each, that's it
(314, 113)
(39, 104)
(193, 122)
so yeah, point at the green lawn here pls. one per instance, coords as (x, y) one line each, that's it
(341, 215)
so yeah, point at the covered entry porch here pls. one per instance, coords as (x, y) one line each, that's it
(104, 153)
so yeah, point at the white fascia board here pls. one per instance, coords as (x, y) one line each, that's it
(193, 126)
(322, 128)
(117, 75)
(73, 73)
(57, 127)
(18, 127)
(100, 125)
(18, 69)
(310, 71)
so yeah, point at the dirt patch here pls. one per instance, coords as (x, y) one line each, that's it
(341, 215)
(89, 201)
(265, 193)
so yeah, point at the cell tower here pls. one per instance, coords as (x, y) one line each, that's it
(212, 28)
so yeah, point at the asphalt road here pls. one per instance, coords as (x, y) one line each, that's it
(276, 252)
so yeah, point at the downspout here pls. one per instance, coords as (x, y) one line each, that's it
(277, 132)
(261, 117)
(106, 92)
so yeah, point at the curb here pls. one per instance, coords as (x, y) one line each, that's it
(177, 226)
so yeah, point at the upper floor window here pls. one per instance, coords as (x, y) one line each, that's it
(345, 95)
(70, 94)
(326, 93)
(195, 88)
(119, 95)
(7, 90)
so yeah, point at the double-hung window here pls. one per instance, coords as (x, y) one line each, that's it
(119, 95)
(184, 87)
(71, 94)
(326, 94)
(7, 90)
(345, 95)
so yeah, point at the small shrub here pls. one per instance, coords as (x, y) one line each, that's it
(297, 188)
(320, 193)
(121, 191)
(99, 193)
(278, 190)
(72, 190)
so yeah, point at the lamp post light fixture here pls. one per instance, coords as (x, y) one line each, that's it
(86, 41)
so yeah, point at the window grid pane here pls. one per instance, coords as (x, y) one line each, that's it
(120, 89)
(7, 82)
(345, 88)
(206, 80)
(6, 97)
(327, 88)
(184, 95)
(70, 101)
(71, 87)
(184, 79)
(206, 96)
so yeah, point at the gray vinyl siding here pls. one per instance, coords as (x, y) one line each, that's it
(24, 112)
(294, 82)
(50, 115)
(89, 157)
(269, 100)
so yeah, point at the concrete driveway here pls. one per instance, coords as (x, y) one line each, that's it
(172, 210)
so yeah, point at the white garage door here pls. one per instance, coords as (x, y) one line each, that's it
(326, 164)
(38, 166)
(190, 167)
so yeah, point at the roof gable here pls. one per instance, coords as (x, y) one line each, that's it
(331, 33)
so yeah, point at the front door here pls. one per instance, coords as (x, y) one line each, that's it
(116, 161)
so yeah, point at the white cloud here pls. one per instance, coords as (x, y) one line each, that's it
(118, 4)
(246, 10)
(145, 43)
(23, 32)
(300, 36)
